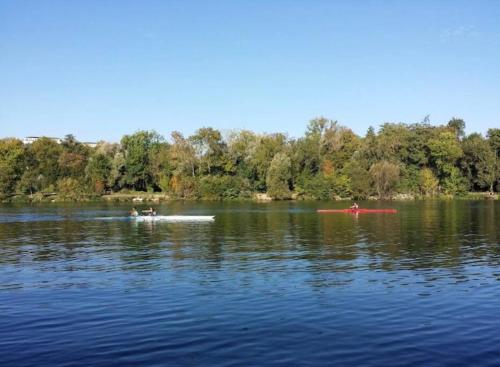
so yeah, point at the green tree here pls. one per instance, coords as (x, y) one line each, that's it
(385, 176)
(11, 164)
(210, 148)
(136, 150)
(328, 160)
(72, 164)
(118, 169)
(494, 140)
(338, 145)
(369, 152)
(479, 162)
(29, 183)
(241, 145)
(224, 187)
(266, 147)
(457, 126)
(445, 151)
(454, 183)
(73, 158)
(182, 155)
(278, 177)
(418, 149)
(359, 179)
(70, 188)
(393, 142)
(161, 166)
(98, 172)
(44, 155)
(428, 183)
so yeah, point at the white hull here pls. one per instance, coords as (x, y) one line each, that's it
(175, 218)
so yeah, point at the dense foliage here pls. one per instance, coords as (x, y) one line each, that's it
(328, 161)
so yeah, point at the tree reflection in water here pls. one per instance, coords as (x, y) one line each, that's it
(432, 239)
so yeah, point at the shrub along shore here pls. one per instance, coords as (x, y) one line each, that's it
(143, 197)
(399, 161)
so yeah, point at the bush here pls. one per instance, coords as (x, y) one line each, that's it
(454, 183)
(315, 187)
(359, 180)
(428, 183)
(409, 181)
(320, 187)
(70, 189)
(385, 177)
(224, 187)
(278, 177)
(164, 183)
(184, 187)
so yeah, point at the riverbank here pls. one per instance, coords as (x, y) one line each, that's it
(147, 197)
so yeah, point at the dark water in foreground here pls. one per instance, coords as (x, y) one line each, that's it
(265, 284)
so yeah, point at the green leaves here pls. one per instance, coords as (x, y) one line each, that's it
(479, 162)
(278, 177)
(136, 150)
(427, 182)
(330, 160)
(11, 164)
(445, 150)
(385, 176)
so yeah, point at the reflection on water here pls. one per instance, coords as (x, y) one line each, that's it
(265, 284)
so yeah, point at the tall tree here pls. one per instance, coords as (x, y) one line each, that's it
(278, 177)
(183, 155)
(136, 148)
(445, 151)
(479, 162)
(385, 176)
(457, 126)
(359, 179)
(45, 154)
(161, 166)
(494, 140)
(11, 164)
(393, 141)
(241, 145)
(266, 147)
(428, 183)
(210, 148)
(338, 145)
(98, 171)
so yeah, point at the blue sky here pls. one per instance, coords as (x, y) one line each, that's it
(100, 68)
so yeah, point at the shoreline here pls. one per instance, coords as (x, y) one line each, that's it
(143, 197)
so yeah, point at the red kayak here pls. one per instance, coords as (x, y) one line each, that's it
(356, 211)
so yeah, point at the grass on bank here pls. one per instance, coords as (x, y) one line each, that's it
(141, 196)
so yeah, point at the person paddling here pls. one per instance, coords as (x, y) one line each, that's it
(134, 212)
(355, 206)
(150, 212)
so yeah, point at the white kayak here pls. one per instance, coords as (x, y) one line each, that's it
(174, 218)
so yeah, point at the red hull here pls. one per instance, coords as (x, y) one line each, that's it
(356, 211)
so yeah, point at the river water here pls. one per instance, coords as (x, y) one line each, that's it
(271, 284)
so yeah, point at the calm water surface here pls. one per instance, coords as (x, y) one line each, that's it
(264, 284)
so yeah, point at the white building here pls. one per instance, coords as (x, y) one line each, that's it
(32, 139)
(90, 144)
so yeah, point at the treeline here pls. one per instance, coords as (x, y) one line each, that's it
(328, 161)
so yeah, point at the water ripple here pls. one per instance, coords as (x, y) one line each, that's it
(265, 284)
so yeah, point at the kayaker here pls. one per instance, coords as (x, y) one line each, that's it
(134, 212)
(150, 212)
(355, 206)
